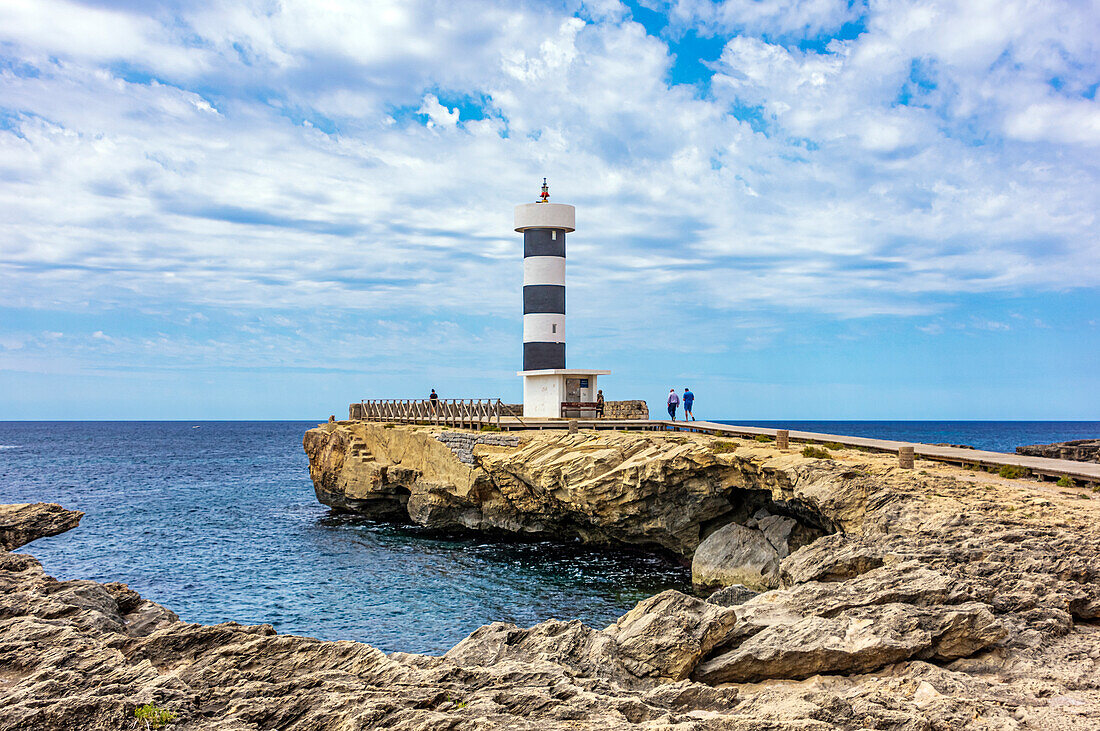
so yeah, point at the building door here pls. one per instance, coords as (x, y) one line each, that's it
(573, 389)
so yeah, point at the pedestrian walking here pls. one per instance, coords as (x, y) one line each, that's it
(434, 402)
(673, 402)
(689, 401)
(599, 404)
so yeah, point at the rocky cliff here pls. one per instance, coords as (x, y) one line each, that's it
(926, 599)
(641, 489)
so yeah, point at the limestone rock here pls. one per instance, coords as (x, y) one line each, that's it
(1080, 450)
(550, 643)
(832, 558)
(666, 635)
(22, 523)
(855, 641)
(733, 595)
(908, 583)
(606, 488)
(735, 554)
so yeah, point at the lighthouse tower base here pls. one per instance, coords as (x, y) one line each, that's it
(544, 391)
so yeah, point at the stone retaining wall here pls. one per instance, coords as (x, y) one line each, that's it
(636, 409)
(462, 443)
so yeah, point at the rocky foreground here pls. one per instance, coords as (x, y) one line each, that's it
(887, 599)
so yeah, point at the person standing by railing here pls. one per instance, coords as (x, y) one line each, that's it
(433, 403)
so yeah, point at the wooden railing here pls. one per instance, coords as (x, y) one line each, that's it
(466, 413)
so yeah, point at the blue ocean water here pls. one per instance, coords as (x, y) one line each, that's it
(996, 436)
(220, 523)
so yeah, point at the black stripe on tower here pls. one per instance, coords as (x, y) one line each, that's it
(540, 356)
(543, 242)
(549, 298)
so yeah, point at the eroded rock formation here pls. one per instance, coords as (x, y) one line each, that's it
(935, 599)
(636, 489)
(23, 522)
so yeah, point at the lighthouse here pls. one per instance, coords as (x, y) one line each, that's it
(547, 383)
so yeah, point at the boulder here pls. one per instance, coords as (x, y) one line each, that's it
(666, 635)
(735, 554)
(907, 583)
(855, 641)
(777, 530)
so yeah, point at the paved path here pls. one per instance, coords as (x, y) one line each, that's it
(1042, 466)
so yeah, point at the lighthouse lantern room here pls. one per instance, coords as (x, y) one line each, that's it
(547, 383)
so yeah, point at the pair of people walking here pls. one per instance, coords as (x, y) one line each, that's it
(674, 401)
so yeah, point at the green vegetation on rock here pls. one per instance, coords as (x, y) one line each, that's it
(815, 453)
(721, 447)
(1013, 472)
(764, 438)
(833, 446)
(153, 717)
(1066, 482)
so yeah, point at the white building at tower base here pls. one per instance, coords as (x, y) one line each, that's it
(545, 391)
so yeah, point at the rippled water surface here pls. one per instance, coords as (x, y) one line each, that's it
(220, 523)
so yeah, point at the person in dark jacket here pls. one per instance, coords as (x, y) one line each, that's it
(599, 404)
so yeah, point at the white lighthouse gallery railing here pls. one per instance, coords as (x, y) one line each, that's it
(472, 413)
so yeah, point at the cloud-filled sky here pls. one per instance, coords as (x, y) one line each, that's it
(799, 208)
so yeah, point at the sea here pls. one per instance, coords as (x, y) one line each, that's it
(218, 521)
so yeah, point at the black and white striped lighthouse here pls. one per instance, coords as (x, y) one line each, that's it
(544, 225)
(547, 384)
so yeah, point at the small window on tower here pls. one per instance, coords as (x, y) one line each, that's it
(554, 235)
(553, 328)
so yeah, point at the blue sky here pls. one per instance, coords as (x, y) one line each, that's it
(800, 208)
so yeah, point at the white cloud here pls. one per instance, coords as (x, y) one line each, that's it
(437, 113)
(1071, 121)
(278, 159)
(802, 17)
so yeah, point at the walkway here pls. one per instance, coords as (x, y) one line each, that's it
(1039, 466)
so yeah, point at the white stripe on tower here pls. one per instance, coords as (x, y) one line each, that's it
(543, 328)
(544, 270)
